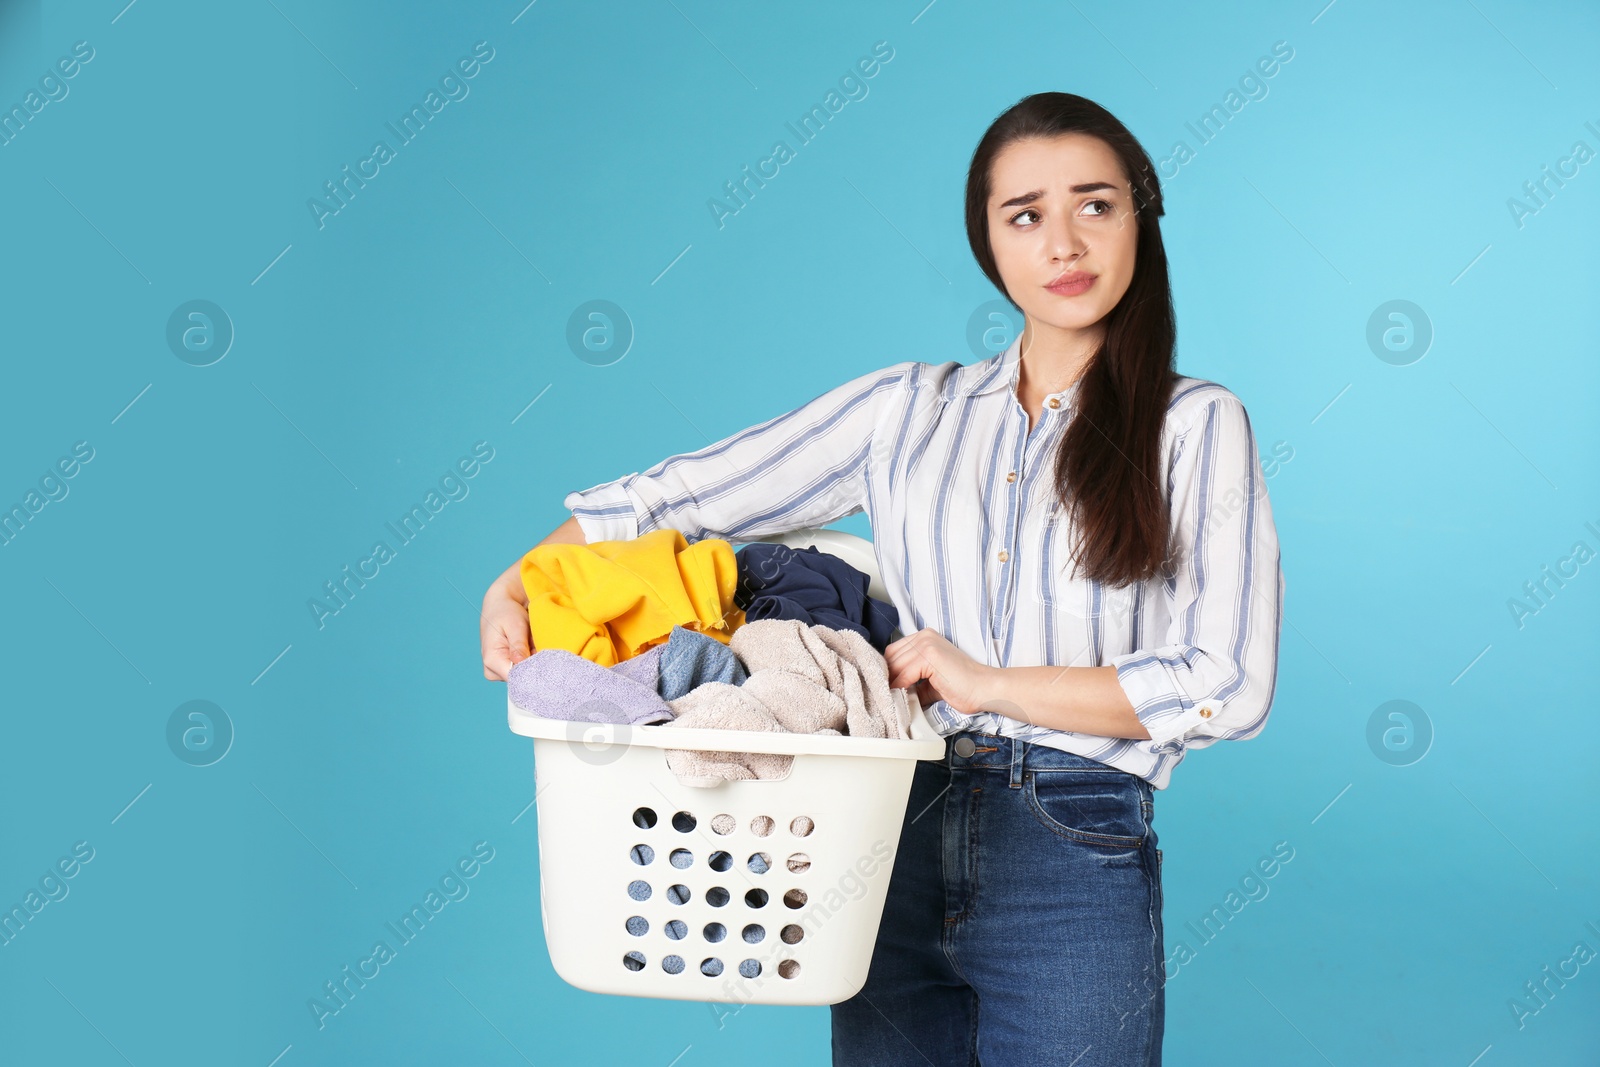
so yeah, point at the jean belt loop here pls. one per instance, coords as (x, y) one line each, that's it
(1018, 748)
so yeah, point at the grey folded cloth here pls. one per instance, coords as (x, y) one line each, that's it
(559, 684)
(802, 679)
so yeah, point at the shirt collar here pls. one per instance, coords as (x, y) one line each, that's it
(1000, 371)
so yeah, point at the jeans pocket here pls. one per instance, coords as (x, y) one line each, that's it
(1095, 807)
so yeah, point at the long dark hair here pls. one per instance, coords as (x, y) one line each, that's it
(1108, 466)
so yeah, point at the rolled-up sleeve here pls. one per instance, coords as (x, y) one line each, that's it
(801, 469)
(1213, 677)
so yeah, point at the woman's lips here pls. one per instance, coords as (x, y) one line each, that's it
(1071, 284)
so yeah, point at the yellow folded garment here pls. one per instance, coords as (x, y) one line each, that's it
(611, 600)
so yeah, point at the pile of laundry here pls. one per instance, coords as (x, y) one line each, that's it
(656, 631)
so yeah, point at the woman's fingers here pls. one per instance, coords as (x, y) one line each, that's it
(899, 656)
(935, 667)
(496, 664)
(908, 663)
(505, 637)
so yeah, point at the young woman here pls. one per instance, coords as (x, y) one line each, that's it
(1080, 545)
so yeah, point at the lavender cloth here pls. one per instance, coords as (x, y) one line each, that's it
(815, 587)
(803, 679)
(645, 668)
(558, 684)
(690, 659)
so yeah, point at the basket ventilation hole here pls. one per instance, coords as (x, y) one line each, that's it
(754, 933)
(799, 863)
(677, 929)
(760, 862)
(679, 894)
(644, 818)
(791, 934)
(639, 889)
(638, 925)
(749, 968)
(681, 857)
(642, 854)
(801, 826)
(788, 968)
(634, 960)
(756, 898)
(720, 861)
(717, 896)
(723, 824)
(795, 898)
(715, 932)
(761, 826)
(683, 822)
(711, 967)
(672, 964)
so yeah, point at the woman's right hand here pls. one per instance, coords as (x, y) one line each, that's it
(503, 626)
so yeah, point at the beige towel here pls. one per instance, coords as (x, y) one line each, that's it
(804, 679)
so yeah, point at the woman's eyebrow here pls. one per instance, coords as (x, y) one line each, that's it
(1030, 197)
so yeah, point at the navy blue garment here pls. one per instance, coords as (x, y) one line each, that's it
(815, 587)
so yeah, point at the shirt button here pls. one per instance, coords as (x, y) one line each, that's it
(1011, 477)
(964, 747)
(1205, 713)
(1004, 555)
(1055, 401)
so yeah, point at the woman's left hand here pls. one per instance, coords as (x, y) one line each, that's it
(939, 671)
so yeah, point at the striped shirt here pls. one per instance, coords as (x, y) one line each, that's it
(972, 543)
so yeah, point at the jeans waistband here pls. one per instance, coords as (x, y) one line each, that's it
(1012, 756)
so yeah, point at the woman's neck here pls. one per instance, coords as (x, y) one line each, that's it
(1053, 359)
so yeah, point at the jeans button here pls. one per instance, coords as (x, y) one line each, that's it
(964, 746)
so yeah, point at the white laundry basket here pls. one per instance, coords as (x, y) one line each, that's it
(749, 892)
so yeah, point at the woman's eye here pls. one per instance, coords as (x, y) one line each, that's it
(1024, 211)
(1109, 207)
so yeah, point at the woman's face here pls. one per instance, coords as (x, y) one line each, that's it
(1060, 205)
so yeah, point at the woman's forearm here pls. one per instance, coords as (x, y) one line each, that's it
(1081, 699)
(568, 533)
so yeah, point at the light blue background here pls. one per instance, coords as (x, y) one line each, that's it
(370, 754)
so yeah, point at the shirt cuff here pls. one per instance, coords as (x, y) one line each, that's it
(604, 512)
(1165, 710)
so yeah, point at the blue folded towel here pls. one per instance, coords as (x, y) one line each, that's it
(691, 658)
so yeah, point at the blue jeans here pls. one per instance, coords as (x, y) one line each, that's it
(1023, 921)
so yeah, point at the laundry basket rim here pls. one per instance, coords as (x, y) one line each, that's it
(924, 742)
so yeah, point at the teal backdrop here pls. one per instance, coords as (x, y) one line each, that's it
(226, 374)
